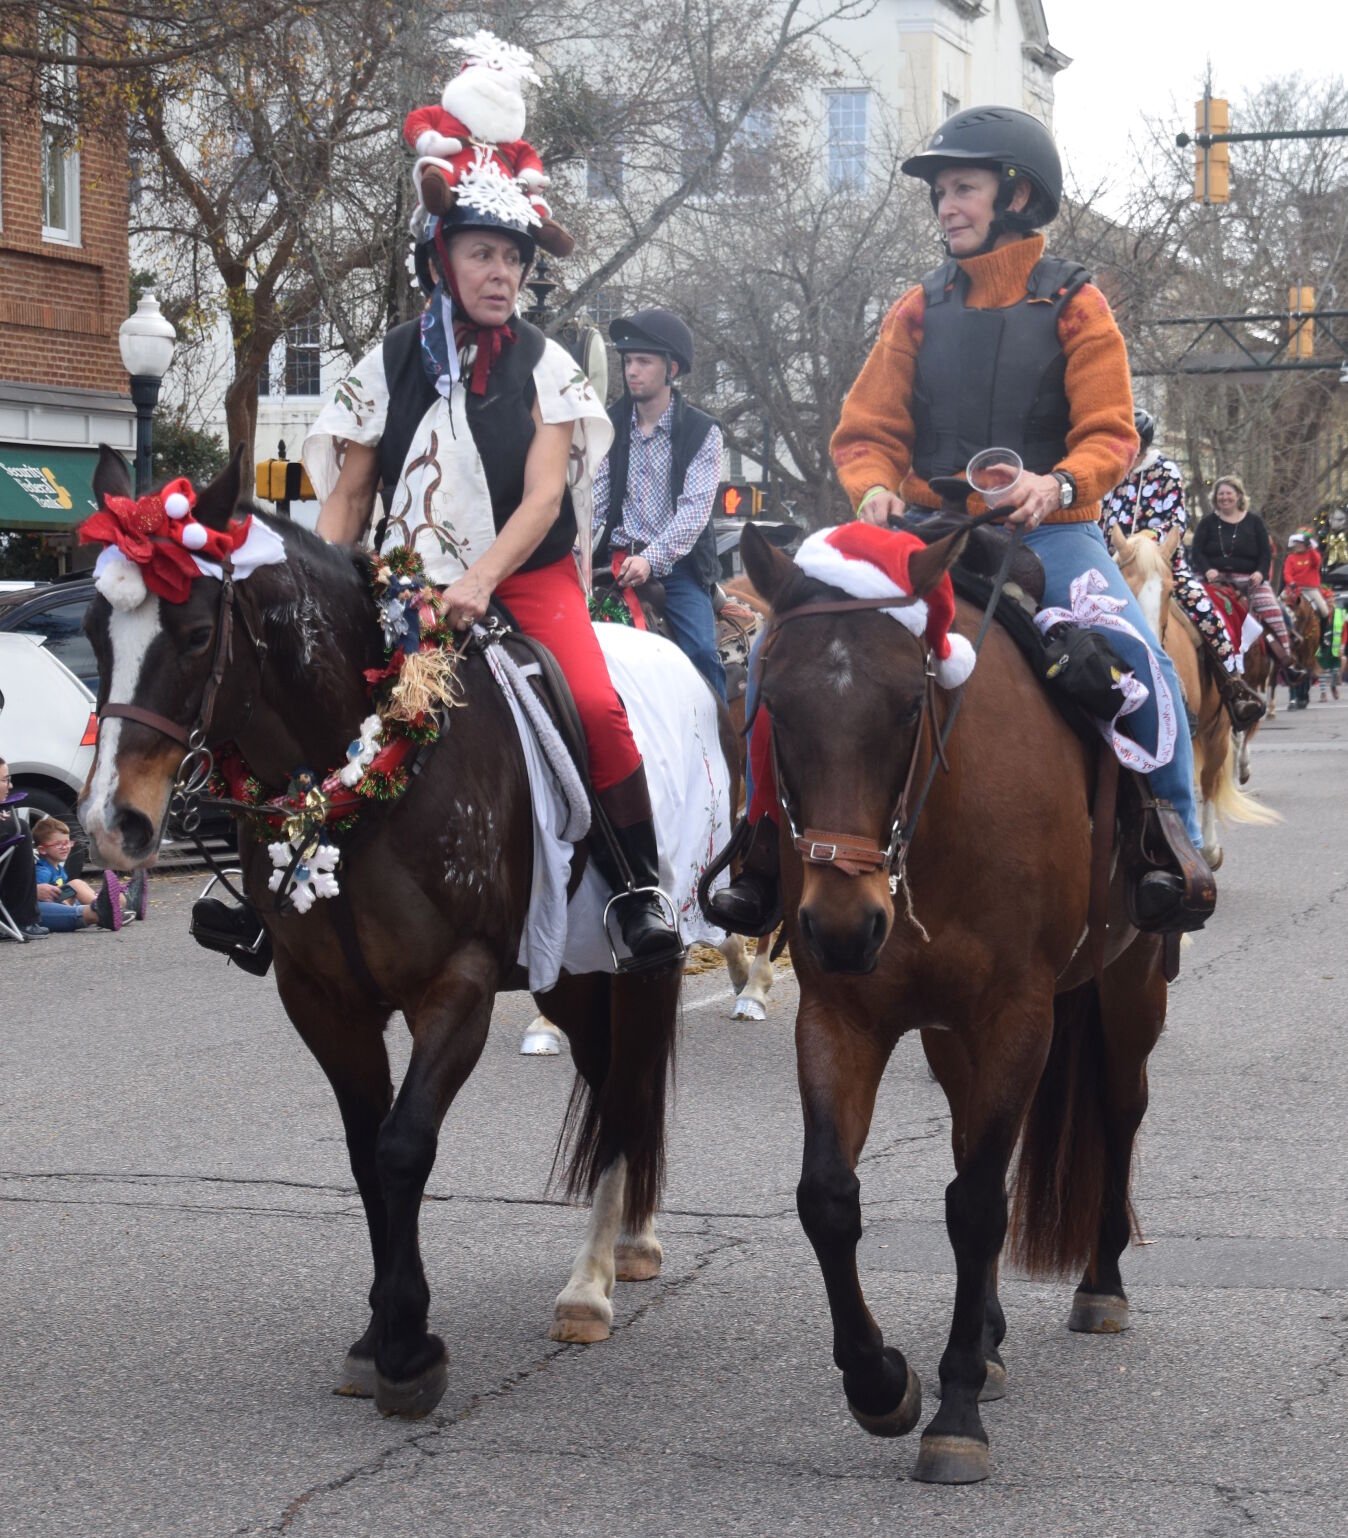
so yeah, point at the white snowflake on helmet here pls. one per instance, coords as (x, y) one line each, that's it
(487, 49)
(486, 189)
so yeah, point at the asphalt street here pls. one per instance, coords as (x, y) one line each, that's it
(183, 1263)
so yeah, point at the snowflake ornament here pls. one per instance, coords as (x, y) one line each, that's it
(486, 49)
(314, 876)
(360, 755)
(486, 189)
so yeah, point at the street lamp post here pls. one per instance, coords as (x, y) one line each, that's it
(146, 340)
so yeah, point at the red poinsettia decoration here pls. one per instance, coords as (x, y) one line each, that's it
(159, 534)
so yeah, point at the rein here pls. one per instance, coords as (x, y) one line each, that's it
(854, 854)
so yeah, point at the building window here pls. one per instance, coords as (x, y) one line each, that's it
(950, 105)
(606, 305)
(60, 157)
(847, 111)
(604, 172)
(751, 156)
(695, 150)
(302, 369)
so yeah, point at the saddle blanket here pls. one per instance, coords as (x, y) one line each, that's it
(673, 718)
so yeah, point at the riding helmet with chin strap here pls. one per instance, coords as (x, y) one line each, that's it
(1014, 145)
(655, 331)
(1145, 424)
(459, 217)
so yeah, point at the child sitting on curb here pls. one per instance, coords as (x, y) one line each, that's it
(57, 890)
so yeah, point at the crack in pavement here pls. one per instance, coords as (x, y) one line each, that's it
(423, 1441)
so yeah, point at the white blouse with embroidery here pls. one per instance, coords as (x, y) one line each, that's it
(441, 506)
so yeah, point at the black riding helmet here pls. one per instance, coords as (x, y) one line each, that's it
(655, 331)
(1145, 424)
(1002, 139)
(460, 218)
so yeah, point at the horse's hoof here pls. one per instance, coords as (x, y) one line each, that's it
(638, 1262)
(412, 1398)
(1098, 1313)
(358, 1377)
(579, 1324)
(542, 1039)
(1215, 857)
(901, 1419)
(748, 1009)
(952, 1461)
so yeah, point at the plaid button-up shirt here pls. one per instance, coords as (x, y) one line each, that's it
(649, 515)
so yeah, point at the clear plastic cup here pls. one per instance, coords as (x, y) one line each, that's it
(993, 474)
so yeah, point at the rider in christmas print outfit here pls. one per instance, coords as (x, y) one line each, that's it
(1150, 500)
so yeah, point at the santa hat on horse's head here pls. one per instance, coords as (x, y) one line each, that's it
(866, 561)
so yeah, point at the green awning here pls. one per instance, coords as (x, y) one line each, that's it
(45, 488)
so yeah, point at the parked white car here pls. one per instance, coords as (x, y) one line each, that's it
(47, 725)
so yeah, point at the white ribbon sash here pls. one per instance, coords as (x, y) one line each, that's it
(1093, 608)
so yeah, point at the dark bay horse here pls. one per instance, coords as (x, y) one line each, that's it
(435, 888)
(983, 953)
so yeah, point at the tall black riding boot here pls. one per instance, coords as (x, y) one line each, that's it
(643, 916)
(1171, 887)
(752, 903)
(1243, 704)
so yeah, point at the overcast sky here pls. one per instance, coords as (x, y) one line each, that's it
(1148, 58)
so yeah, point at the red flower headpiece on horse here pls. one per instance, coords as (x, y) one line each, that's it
(870, 562)
(153, 543)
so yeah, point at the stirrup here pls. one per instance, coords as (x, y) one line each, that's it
(631, 963)
(253, 957)
(1171, 887)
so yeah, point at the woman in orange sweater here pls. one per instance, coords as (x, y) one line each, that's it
(1004, 346)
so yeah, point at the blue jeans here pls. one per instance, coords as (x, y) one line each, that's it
(1067, 550)
(692, 622)
(60, 917)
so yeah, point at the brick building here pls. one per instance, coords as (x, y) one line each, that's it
(63, 295)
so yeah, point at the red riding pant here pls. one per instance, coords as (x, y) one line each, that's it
(549, 604)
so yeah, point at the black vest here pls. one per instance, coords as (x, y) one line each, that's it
(501, 422)
(688, 432)
(992, 378)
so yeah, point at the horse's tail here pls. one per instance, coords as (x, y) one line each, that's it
(1061, 1175)
(1231, 803)
(624, 1111)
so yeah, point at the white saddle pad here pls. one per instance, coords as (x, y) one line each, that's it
(673, 718)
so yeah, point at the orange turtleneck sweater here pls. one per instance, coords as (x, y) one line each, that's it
(873, 444)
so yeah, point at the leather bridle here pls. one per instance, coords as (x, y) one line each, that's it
(854, 854)
(197, 763)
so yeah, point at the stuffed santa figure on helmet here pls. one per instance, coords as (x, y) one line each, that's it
(480, 122)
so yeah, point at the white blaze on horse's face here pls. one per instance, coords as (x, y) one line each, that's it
(131, 633)
(1150, 598)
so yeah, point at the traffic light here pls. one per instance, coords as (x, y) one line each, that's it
(1212, 165)
(1301, 334)
(283, 480)
(738, 499)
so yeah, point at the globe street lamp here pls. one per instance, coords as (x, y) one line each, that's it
(146, 340)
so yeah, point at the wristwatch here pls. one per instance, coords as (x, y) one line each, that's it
(1067, 488)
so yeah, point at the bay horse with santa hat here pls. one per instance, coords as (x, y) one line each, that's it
(961, 915)
(217, 626)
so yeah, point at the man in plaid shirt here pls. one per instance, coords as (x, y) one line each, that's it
(653, 494)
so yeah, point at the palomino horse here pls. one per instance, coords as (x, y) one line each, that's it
(983, 953)
(1148, 570)
(435, 888)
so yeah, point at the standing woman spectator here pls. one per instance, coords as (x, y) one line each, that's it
(1232, 545)
(1150, 500)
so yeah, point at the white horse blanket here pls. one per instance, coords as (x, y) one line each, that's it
(673, 717)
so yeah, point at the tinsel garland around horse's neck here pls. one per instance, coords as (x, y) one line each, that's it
(316, 614)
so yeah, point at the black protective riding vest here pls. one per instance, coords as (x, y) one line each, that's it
(992, 378)
(688, 432)
(501, 422)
